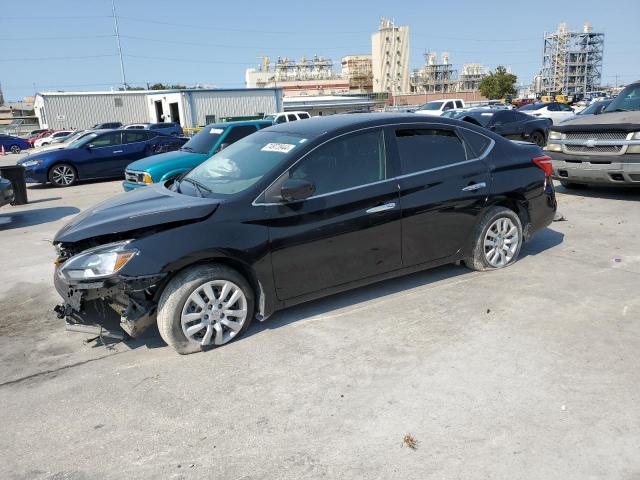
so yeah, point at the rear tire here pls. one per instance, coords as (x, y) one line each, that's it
(15, 149)
(180, 299)
(63, 175)
(538, 139)
(497, 240)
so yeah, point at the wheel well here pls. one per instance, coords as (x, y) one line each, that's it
(244, 270)
(60, 163)
(518, 206)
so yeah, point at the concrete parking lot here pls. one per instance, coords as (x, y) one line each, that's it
(530, 372)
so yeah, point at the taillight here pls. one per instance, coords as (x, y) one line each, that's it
(544, 163)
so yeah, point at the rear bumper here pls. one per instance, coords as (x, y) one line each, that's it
(597, 169)
(542, 209)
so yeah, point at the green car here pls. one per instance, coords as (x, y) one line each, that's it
(211, 139)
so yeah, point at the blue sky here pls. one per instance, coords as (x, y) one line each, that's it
(69, 44)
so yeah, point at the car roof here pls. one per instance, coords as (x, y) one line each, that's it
(238, 123)
(317, 126)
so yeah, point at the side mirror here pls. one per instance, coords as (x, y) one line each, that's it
(294, 189)
(90, 146)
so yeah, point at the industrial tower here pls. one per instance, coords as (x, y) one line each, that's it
(572, 61)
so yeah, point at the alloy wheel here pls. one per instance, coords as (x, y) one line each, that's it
(501, 242)
(214, 313)
(63, 175)
(15, 149)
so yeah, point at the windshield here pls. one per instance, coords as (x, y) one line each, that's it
(431, 106)
(532, 106)
(269, 117)
(73, 137)
(628, 100)
(83, 140)
(242, 164)
(591, 108)
(204, 140)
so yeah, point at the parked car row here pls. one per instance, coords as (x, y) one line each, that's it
(99, 154)
(347, 196)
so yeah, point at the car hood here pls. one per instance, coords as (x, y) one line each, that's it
(48, 155)
(148, 162)
(626, 121)
(142, 208)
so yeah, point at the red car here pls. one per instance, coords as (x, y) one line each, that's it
(38, 134)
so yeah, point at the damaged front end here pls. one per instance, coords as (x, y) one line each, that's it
(98, 298)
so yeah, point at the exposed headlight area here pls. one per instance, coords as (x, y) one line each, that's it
(99, 262)
(551, 145)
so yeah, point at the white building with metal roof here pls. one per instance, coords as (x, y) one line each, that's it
(190, 107)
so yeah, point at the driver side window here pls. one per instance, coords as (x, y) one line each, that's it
(344, 163)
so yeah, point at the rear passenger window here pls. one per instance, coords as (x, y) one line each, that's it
(476, 142)
(303, 115)
(292, 117)
(133, 136)
(344, 163)
(425, 148)
(459, 104)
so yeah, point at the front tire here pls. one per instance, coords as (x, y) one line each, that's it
(497, 241)
(63, 175)
(15, 149)
(204, 306)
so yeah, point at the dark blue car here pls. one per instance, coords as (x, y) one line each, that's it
(13, 144)
(101, 154)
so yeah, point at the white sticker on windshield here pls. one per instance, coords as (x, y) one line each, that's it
(216, 131)
(278, 147)
(486, 114)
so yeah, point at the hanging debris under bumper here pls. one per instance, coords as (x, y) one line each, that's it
(110, 306)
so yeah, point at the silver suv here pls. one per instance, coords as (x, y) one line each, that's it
(600, 149)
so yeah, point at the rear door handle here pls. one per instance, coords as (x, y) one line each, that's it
(381, 208)
(117, 151)
(474, 186)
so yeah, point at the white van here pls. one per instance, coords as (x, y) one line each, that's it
(437, 107)
(284, 117)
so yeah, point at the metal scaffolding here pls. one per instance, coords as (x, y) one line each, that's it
(434, 77)
(572, 61)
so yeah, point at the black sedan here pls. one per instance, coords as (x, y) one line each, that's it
(295, 212)
(510, 124)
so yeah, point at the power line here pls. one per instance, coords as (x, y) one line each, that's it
(78, 37)
(40, 59)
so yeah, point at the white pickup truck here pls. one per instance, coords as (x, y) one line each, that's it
(438, 107)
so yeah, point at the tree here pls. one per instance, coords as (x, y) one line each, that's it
(498, 84)
(162, 86)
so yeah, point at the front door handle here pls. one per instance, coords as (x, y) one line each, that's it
(474, 186)
(381, 208)
(117, 151)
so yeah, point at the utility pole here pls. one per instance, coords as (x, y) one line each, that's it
(115, 24)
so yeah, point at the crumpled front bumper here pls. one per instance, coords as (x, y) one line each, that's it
(114, 303)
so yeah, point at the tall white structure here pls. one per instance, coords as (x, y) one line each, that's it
(390, 58)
